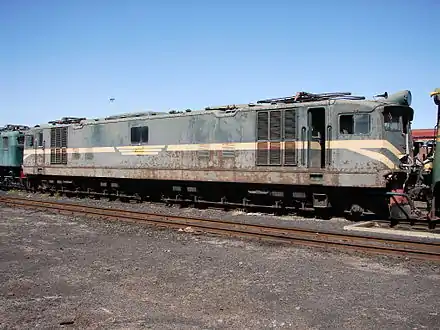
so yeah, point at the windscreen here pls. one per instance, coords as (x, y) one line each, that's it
(396, 118)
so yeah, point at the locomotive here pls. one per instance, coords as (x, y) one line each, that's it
(330, 153)
(11, 155)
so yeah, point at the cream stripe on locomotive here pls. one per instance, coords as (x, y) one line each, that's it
(359, 146)
(141, 150)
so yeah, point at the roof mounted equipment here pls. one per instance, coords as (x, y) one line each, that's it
(301, 97)
(11, 127)
(67, 120)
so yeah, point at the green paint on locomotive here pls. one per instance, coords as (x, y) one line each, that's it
(11, 148)
(436, 163)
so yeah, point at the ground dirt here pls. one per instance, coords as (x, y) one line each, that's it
(73, 272)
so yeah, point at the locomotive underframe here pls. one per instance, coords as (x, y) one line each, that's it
(324, 201)
(10, 177)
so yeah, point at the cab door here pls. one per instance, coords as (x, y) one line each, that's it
(317, 138)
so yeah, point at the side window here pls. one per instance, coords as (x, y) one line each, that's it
(5, 142)
(346, 124)
(39, 139)
(362, 124)
(139, 135)
(29, 141)
(354, 124)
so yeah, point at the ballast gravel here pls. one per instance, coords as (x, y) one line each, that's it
(332, 225)
(81, 273)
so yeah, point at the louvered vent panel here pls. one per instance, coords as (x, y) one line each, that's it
(64, 156)
(53, 137)
(228, 151)
(63, 137)
(262, 126)
(275, 125)
(58, 145)
(290, 125)
(262, 153)
(57, 156)
(275, 153)
(290, 153)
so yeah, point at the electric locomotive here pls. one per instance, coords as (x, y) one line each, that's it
(329, 153)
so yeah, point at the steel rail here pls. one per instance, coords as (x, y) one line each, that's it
(299, 236)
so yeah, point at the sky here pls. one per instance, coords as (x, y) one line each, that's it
(68, 58)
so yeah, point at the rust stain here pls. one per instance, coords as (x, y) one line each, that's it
(269, 174)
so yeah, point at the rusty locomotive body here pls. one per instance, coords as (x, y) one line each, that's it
(323, 152)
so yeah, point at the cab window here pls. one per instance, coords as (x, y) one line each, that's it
(354, 124)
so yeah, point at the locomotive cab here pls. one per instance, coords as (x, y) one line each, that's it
(397, 117)
(397, 125)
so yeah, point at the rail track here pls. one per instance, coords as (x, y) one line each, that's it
(203, 204)
(303, 237)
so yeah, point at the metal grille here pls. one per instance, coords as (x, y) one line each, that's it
(58, 145)
(262, 153)
(275, 125)
(275, 153)
(203, 153)
(52, 137)
(263, 121)
(290, 137)
(64, 137)
(290, 153)
(228, 151)
(290, 124)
